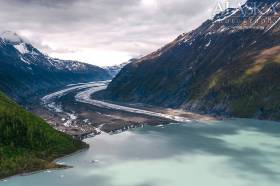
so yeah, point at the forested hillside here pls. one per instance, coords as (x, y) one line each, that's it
(27, 143)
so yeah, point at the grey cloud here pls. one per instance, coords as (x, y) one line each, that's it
(120, 25)
(48, 3)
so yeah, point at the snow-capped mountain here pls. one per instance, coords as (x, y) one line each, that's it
(114, 70)
(24, 70)
(30, 55)
(229, 65)
(11, 37)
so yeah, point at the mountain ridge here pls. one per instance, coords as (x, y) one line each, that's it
(25, 71)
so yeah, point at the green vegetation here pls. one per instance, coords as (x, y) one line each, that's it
(260, 94)
(248, 88)
(27, 143)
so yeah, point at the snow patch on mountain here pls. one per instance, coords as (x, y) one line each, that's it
(21, 48)
(25, 61)
(67, 65)
(208, 44)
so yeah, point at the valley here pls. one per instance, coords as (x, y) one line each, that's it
(74, 111)
(204, 109)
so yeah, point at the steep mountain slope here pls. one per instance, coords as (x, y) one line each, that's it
(25, 71)
(27, 143)
(229, 65)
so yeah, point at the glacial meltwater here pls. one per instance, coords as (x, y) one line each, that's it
(235, 152)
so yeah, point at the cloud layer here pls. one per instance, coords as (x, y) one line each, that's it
(102, 32)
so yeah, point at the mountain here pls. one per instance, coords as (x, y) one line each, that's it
(27, 143)
(25, 71)
(228, 66)
(114, 70)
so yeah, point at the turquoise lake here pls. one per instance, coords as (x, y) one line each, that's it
(236, 152)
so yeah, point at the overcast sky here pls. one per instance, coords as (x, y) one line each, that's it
(102, 32)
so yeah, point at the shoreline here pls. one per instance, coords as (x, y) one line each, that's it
(59, 166)
(62, 166)
(109, 120)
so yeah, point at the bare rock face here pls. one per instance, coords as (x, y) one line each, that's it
(229, 65)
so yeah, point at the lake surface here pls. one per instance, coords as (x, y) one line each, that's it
(224, 153)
